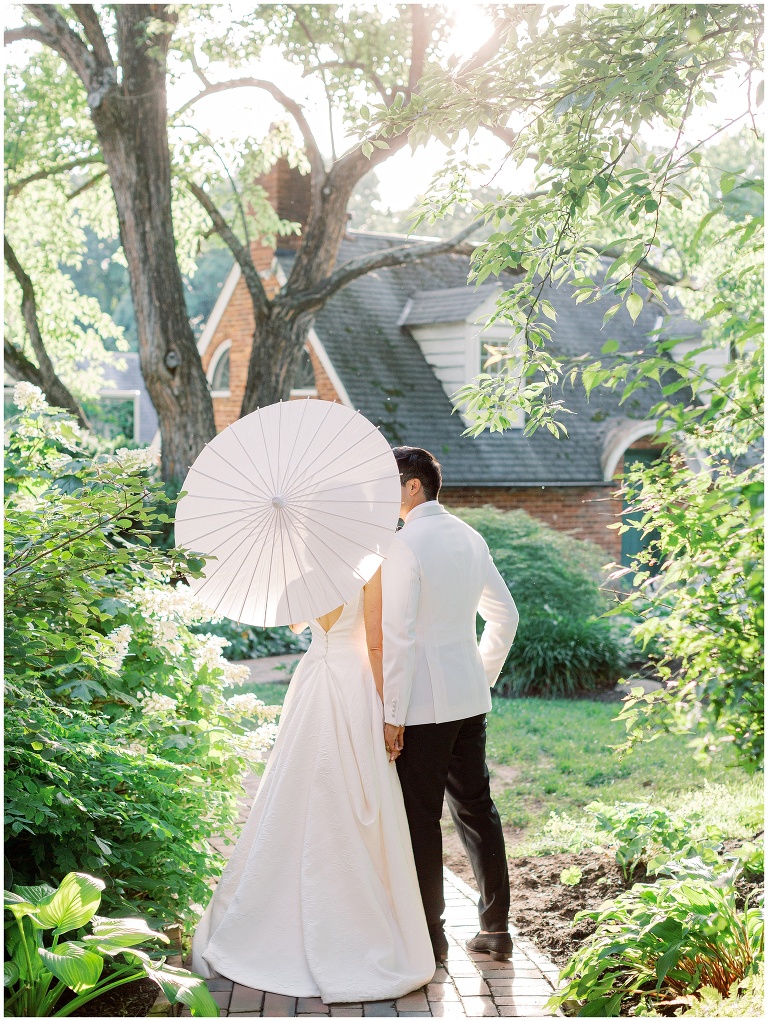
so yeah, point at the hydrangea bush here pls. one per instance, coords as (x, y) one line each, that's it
(123, 753)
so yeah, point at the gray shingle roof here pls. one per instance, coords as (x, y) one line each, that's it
(388, 379)
(444, 305)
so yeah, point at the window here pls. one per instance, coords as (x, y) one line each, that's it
(304, 381)
(218, 371)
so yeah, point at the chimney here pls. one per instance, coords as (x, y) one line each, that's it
(290, 194)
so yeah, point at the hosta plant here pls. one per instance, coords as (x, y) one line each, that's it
(644, 834)
(659, 942)
(42, 967)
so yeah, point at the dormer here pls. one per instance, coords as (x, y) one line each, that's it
(448, 325)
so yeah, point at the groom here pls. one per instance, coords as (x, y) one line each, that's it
(437, 577)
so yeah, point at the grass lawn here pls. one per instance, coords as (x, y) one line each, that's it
(551, 758)
(555, 757)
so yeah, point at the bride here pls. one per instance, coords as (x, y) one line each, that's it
(320, 896)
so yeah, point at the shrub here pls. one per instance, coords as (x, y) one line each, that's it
(38, 973)
(561, 648)
(659, 942)
(122, 754)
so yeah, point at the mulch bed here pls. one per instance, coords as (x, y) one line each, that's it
(134, 999)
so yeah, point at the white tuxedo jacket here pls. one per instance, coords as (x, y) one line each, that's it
(437, 577)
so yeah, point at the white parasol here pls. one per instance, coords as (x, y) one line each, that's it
(297, 503)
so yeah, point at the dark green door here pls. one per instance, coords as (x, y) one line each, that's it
(633, 540)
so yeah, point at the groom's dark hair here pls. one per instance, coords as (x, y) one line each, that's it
(415, 463)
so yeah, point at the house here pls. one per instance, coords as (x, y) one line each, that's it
(397, 343)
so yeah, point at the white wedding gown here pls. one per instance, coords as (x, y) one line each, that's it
(320, 896)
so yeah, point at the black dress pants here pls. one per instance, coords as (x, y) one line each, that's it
(449, 759)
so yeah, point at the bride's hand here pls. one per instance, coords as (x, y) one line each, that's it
(393, 739)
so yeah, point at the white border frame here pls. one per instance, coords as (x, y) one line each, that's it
(125, 394)
(223, 348)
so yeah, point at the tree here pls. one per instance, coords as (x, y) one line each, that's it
(126, 97)
(575, 88)
(357, 54)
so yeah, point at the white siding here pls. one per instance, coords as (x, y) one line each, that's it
(455, 353)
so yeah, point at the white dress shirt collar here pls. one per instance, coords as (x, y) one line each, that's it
(424, 510)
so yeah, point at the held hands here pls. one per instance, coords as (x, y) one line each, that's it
(393, 739)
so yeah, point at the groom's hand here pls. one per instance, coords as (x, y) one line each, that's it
(393, 739)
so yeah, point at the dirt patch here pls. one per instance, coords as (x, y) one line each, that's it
(543, 908)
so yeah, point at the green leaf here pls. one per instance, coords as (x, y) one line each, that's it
(10, 973)
(609, 347)
(118, 933)
(18, 905)
(79, 969)
(727, 182)
(634, 305)
(74, 903)
(179, 986)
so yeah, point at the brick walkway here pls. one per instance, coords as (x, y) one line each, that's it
(469, 985)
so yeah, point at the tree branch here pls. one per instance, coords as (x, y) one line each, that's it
(20, 367)
(87, 185)
(292, 107)
(240, 252)
(377, 83)
(402, 255)
(33, 32)
(67, 43)
(57, 393)
(59, 168)
(94, 33)
(419, 41)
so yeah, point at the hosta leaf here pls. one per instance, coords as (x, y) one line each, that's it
(121, 932)
(73, 904)
(35, 894)
(180, 986)
(20, 906)
(78, 968)
(10, 973)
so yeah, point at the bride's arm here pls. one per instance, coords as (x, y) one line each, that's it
(298, 628)
(373, 631)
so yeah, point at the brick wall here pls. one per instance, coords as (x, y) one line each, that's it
(583, 511)
(325, 389)
(237, 325)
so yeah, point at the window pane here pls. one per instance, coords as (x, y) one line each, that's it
(305, 374)
(221, 373)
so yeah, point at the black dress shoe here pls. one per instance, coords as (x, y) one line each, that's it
(497, 944)
(439, 943)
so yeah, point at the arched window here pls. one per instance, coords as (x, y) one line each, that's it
(304, 381)
(218, 371)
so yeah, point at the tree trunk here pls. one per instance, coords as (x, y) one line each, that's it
(130, 121)
(278, 341)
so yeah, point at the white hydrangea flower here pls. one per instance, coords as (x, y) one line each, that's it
(236, 673)
(171, 602)
(155, 704)
(134, 460)
(114, 647)
(26, 502)
(165, 636)
(245, 705)
(28, 397)
(256, 743)
(209, 652)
